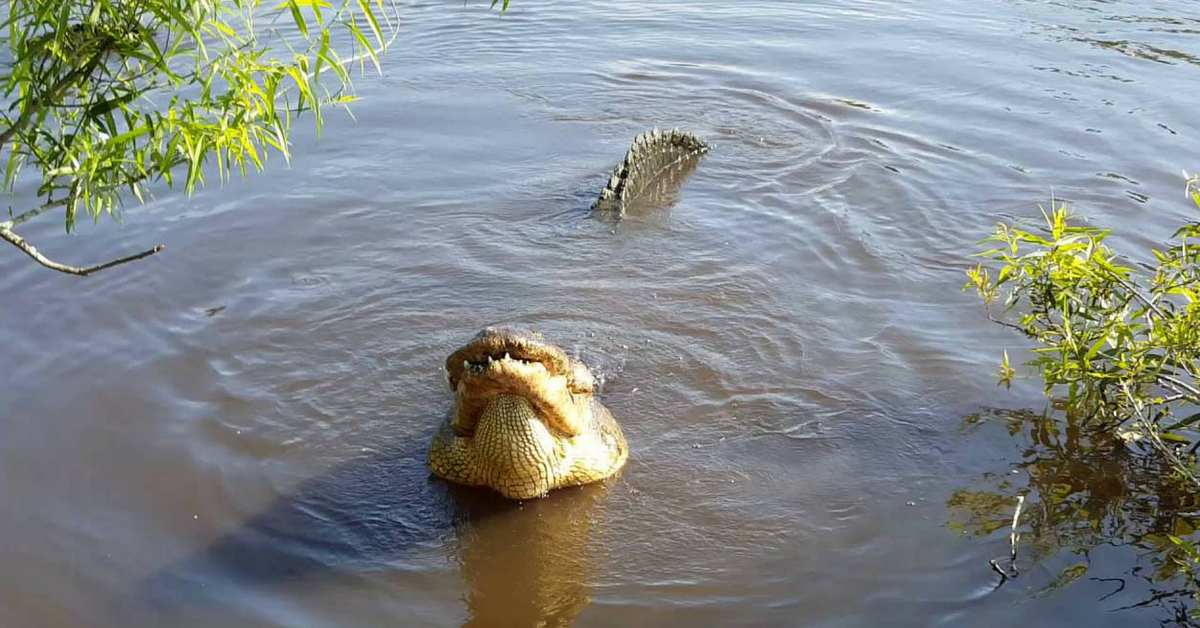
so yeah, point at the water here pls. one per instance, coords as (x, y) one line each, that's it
(232, 432)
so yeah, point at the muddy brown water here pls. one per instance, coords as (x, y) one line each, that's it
(232, 433)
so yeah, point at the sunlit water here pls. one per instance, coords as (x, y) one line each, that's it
(232, 433)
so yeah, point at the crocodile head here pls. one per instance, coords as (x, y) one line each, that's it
(525, 418)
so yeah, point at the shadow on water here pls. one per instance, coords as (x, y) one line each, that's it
(353, 518)
(1087, 492)
(525, 564)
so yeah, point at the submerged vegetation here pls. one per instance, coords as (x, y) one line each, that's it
(1089, 497)
(1117, 344)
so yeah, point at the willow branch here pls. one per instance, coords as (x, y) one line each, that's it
(1151, 432)
(56, 93)
(1004, 323)
(9, 236)
(1180, 386)
(1140, 297)
(16, 220)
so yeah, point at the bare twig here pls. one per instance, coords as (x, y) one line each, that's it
(1155, 440)
(1013, 539)
(1000, 570)
(1138, 293)
(1180, 386)
(30, 250)
(1004, 323)
(1013, 536)
(16, 220)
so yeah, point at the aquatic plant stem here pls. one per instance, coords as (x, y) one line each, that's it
(1013, 539)
(1155, 440)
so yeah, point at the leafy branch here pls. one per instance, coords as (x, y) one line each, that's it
(107, 96)
(1120, 348)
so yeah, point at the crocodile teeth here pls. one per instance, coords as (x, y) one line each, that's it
(507, 357)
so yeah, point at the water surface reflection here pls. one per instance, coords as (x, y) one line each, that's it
(529, 564)
(1087, 493)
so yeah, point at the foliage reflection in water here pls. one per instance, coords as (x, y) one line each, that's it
(1087, 491)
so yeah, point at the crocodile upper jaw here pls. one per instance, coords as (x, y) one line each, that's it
(506, 362)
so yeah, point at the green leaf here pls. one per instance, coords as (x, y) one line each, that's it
(297, 17)
(370, 15)
(1183, 423)
(362, 40)
(104, 107)
(181, 84)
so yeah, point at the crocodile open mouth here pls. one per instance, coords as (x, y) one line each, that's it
(496, 366)
(493, 344)
(514, 362)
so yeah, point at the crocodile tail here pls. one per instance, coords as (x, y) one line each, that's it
(656, 164)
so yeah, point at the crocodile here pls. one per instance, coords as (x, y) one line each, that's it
(525, 418)
(655, 165)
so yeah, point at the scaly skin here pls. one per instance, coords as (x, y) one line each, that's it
(656, 164)
(525, 419)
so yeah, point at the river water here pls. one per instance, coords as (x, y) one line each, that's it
(232, 432)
